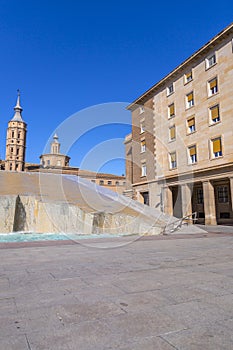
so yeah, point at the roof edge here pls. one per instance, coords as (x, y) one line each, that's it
(189, 59)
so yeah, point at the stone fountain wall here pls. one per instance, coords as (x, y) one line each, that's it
(31, 214)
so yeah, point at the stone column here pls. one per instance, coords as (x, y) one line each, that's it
(209, 203)
(231, 189)
(186, 195)
(167, 200)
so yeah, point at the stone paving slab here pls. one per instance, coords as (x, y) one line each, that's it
(160, 294)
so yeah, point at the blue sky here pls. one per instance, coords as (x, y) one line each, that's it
(66, 56)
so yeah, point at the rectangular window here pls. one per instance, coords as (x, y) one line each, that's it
(212, 86)
(192, 152)
(12, 149)
(173, 163)
(141, 110)
(109, 182)
(214, 114)
(171, 110)
(225, 215)
(142, 127)
(143, 170)
(216, 147)
(222, 194)
(188, 77)
(101, 182)
(210, 61)
(170, 89)
(189, 100)
(200, 196)
(17, 151)
(172, 133)
(143, 146)
(191, 125)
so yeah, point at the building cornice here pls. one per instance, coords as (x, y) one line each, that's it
(209, 45)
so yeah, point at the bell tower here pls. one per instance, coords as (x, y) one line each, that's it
(16, 140)
(55, 145)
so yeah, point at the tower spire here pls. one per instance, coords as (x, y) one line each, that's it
(18, 109)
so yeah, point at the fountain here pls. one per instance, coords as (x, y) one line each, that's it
(46, 202)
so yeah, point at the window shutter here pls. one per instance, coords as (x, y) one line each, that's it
(214, 112)
(172, 133)
(191, 122)
(173, 157)
(216, 145)
(190, 97)
(192, 151)
(213, 83)
(172, 109)
(189, 75)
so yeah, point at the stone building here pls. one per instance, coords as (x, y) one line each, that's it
(16, 140)
(179, 157)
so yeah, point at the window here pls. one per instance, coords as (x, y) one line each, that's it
(222, 194)
(191, 125)
(48, 162)
(143, 146)
(192, 153)
(171, 110)
(188, 77)
(225, 215)
(143, 170)
(216, 147)
(170, 89)
(10, 166)
(93, 181)
(142, 127)
(200, 196)
(214, 114)
(16, 167)
(12, 149)
(172, 133)
(17, 151)
(145, 196)
(210, 61)
(189, 100)
(141, 110)
(212, 87)
(173, 163)
(117, 183)
(101, 182)
(19, 135)
(109, 182)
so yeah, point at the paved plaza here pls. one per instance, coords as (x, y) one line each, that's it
(154, 293)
